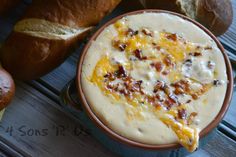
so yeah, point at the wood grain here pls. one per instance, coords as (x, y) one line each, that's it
(219, 146)
(2, 155)
(36, 107)
(8, 151)
(31, 110)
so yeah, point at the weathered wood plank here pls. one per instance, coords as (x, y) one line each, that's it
(219, 146)
(30, 114)
(31, 110)
(58, 78)
(2, 155)
(8, 151)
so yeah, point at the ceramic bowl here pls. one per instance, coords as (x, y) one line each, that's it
(125, 142)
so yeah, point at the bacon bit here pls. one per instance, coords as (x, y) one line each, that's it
(154, 44)
(166, 89)
(182, 114)
(178, 91)
(109, 86)
(137, 85)
(125, 92)
(210, 65)
(116, 88)
(159, 85)
(150, 99)
(158, 96)
(122, 47)
(131, 32)
(119, 45)
(121, 72)
(181, 87)
(190, 117)
(107, 75)
(157, 106)
(173, 98)
(138, 54)
(198, 47)
(147, 32)
(172, 37)
(187, 102)
(167, 60)
(194, 114)
(158, 66)
(140, 82)
(216, 82)
(197, 54)
(144, 58)
(188, 62)
(166, 72)
(110, 76)
(158, 48)
(134, 86)
(194, 96)
(208, 48)
(168, 103)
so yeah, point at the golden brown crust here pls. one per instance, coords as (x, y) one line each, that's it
(73, 13)
(5, 5)
(27, 56)
(216, 15)
(7, 88)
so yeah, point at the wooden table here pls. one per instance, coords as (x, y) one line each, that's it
(36, 108)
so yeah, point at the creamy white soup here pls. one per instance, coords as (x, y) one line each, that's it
(155, 78)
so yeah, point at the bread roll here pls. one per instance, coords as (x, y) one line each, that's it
(7, 88)
(47, 33)
(216, 15)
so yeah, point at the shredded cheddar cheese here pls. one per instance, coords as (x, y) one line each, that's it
(188, 136)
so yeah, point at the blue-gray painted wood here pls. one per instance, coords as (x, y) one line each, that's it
(36, 106)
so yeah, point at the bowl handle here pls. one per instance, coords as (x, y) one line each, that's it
(69, 96)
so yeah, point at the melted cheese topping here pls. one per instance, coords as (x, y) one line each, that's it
(151, 82)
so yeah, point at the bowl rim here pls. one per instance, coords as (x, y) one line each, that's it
(130, 142)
